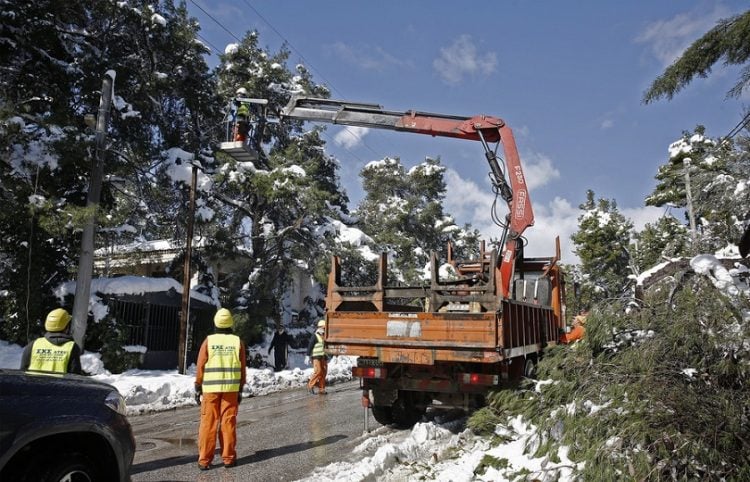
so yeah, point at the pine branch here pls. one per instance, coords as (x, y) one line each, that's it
(728, 39)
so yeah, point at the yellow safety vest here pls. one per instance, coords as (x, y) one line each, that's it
(319, 348)
(48, 357)
(223, 370)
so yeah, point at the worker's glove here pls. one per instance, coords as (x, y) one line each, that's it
(307, 360)
(198, 393)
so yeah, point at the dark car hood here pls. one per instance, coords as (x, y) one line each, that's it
(30, 383)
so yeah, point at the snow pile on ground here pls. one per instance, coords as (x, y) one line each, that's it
(157, 390)
(440, 450)
(444, 451)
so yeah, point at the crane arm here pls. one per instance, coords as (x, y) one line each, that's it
(478, 128)
(482, 128)
(373, 116)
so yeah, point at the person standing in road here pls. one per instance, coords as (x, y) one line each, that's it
(316, 350)
(55, 352)
(280, 346)
(218, 382)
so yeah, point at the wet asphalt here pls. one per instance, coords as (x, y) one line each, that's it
(280, 437)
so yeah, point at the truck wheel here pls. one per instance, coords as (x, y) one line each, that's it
(383, 414)
(405, 414)
(529, 368)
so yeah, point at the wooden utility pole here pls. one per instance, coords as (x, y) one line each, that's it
(86, 260)
(182, 349)
(691, 213)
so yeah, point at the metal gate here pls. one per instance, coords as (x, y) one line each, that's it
(157, 327)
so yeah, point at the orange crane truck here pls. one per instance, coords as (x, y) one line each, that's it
(447, 342)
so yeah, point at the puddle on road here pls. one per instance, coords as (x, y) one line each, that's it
(179, 442)
(155, 442)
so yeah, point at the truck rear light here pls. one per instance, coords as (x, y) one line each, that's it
(477, 379)
(369, 372)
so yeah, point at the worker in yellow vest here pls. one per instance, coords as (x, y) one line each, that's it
(55, 352)
(219, 381)
(316, 351)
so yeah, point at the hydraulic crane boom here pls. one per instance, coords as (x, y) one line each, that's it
(484, 129)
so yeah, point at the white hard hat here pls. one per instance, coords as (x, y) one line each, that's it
(241, 91)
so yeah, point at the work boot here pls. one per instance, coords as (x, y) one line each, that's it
(311, 391)
(203, 467)
(228, 465)
(322, 392)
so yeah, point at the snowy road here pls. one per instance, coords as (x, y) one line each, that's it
(281, 436)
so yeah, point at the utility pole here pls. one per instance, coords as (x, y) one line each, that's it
(182, 349)
(691, 214)
(86, 260)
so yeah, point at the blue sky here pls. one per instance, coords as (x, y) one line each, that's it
(568, 77)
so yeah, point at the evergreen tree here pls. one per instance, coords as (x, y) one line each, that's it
(403, 212)
(718, 173)
(728, 40)
(52, 77)
(601, 243)
(283, 199)
(660, 241)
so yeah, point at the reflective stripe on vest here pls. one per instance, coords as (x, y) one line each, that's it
(223, 370)
(319, 348)
(48, 357)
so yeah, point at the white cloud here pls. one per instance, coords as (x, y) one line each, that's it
(466, 201)
(538, 170)
(367, 57)
(642, 215)
(607, 124)
(350, 137)
(471, 203)
(557, 218)
(667, 39)
(460, 59)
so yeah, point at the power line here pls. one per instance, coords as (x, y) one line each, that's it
(205, 41)
(302, 57)
(333, 88)
(217, 22)
(738, 128)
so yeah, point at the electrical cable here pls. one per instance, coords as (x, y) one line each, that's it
(302, 57)
(333, 88)
(204, 40)
(740, 125)
(216, 21)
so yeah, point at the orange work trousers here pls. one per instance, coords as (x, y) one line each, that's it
(218, 410)
(320, 370)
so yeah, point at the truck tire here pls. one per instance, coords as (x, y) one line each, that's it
(405, 413)
(383, 414)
